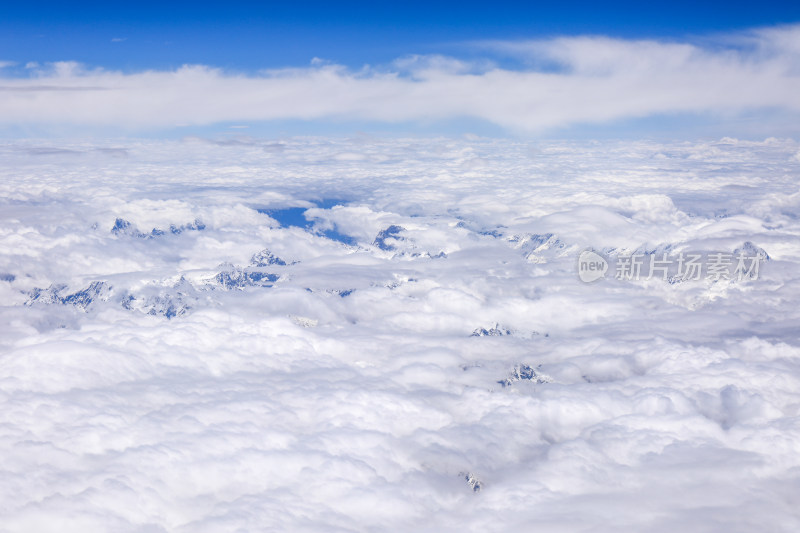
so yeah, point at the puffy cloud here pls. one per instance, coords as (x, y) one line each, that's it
(209, 367)
(567, 80)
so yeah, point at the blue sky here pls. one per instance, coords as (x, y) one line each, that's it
(480, 48)
(277, 34)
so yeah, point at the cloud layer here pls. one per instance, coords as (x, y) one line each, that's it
(154, 378)
(562, 81)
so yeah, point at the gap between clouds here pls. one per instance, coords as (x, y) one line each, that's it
(564, 81)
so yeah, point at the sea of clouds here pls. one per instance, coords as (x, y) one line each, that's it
(368, 334)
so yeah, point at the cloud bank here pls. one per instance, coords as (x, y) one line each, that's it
(562, 82)
(181, 352)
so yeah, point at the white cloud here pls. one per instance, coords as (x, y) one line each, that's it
(594, 80)
(349, 394)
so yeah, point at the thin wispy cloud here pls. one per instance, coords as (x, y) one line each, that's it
(586, 80)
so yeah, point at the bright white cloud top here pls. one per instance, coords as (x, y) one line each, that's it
(563, 81)
(178, 353)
